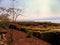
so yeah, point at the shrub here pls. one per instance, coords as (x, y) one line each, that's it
(29, 33)
(4, 25)
(52, 37)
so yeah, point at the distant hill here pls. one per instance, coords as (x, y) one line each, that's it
(41, 24)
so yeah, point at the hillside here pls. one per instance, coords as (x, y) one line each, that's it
(19, 38)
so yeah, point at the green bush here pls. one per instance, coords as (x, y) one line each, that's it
(4, 25)
(52, 37)
(29, 33)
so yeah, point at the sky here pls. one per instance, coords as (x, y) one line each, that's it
(36, 10)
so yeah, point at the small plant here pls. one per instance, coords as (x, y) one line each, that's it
(29, 33)
(4, 25)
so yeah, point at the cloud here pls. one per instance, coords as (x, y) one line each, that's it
(44, 10)
(41, 9)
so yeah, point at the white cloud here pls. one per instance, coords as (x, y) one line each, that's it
(37, 9)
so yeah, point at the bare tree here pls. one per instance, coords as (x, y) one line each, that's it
(3, 16)
(14, 12)
(2, 9)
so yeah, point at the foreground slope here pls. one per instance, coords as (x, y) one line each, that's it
(19, 38)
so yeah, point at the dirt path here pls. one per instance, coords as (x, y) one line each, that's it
(19, 38)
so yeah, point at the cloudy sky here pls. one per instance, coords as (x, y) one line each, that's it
(36, 10)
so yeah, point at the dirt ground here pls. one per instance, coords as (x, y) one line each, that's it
(19, 38)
